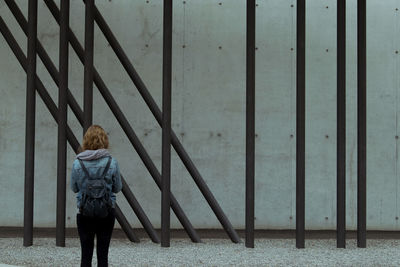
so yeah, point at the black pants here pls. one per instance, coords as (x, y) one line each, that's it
(88, 228)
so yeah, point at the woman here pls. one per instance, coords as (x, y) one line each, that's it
(95, 161)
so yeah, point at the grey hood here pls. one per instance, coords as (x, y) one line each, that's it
(93, 154)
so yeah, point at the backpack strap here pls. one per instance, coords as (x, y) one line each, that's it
(107, 167)
(105, 170)
(84, 168)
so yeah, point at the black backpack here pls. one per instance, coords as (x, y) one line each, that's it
(96, 201)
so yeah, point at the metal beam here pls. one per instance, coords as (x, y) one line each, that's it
(125, 225)
(62, 125)
(88, 66)
(300, 121)
(341, 124)
(361, 124)
(30, 124)
(250, 119)
(166, 125)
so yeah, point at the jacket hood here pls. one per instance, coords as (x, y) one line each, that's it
(93, 154)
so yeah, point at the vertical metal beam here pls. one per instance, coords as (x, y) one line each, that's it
(166, 125)
(62, 124)
(30, 124)
(88, 75)
(361, 124)
(300, 121)
(250, 119)
(341, 124)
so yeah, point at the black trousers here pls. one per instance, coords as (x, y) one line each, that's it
(88, 228)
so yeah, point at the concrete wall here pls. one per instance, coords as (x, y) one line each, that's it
(209, 110)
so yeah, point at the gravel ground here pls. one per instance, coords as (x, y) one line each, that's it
(213, 252)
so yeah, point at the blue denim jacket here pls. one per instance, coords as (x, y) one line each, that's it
(96, 167)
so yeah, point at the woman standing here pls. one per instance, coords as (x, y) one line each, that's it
(95, 168)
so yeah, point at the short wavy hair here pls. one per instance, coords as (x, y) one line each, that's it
(95, 138)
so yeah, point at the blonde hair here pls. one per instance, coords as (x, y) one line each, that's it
(95, 138)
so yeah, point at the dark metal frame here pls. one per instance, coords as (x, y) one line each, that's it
(127, 129)
(361, 123)
(164, 119)
(166, 125)
(62, 125)
(88, 65)
(300, 121)
(30, 123)
(341, 124)
(250, 118)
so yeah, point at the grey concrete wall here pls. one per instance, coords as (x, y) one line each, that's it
(209, 110)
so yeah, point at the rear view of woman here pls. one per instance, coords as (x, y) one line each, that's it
(95, 178)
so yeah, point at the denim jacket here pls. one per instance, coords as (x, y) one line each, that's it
(96, 167)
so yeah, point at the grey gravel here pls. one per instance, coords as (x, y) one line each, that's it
(212, 252)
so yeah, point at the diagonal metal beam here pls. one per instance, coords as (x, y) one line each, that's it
(51, 106)
(79, 115)
(126, 127)
(155, 110)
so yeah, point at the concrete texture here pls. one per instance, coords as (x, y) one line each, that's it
(213, 252)
(209, 110)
